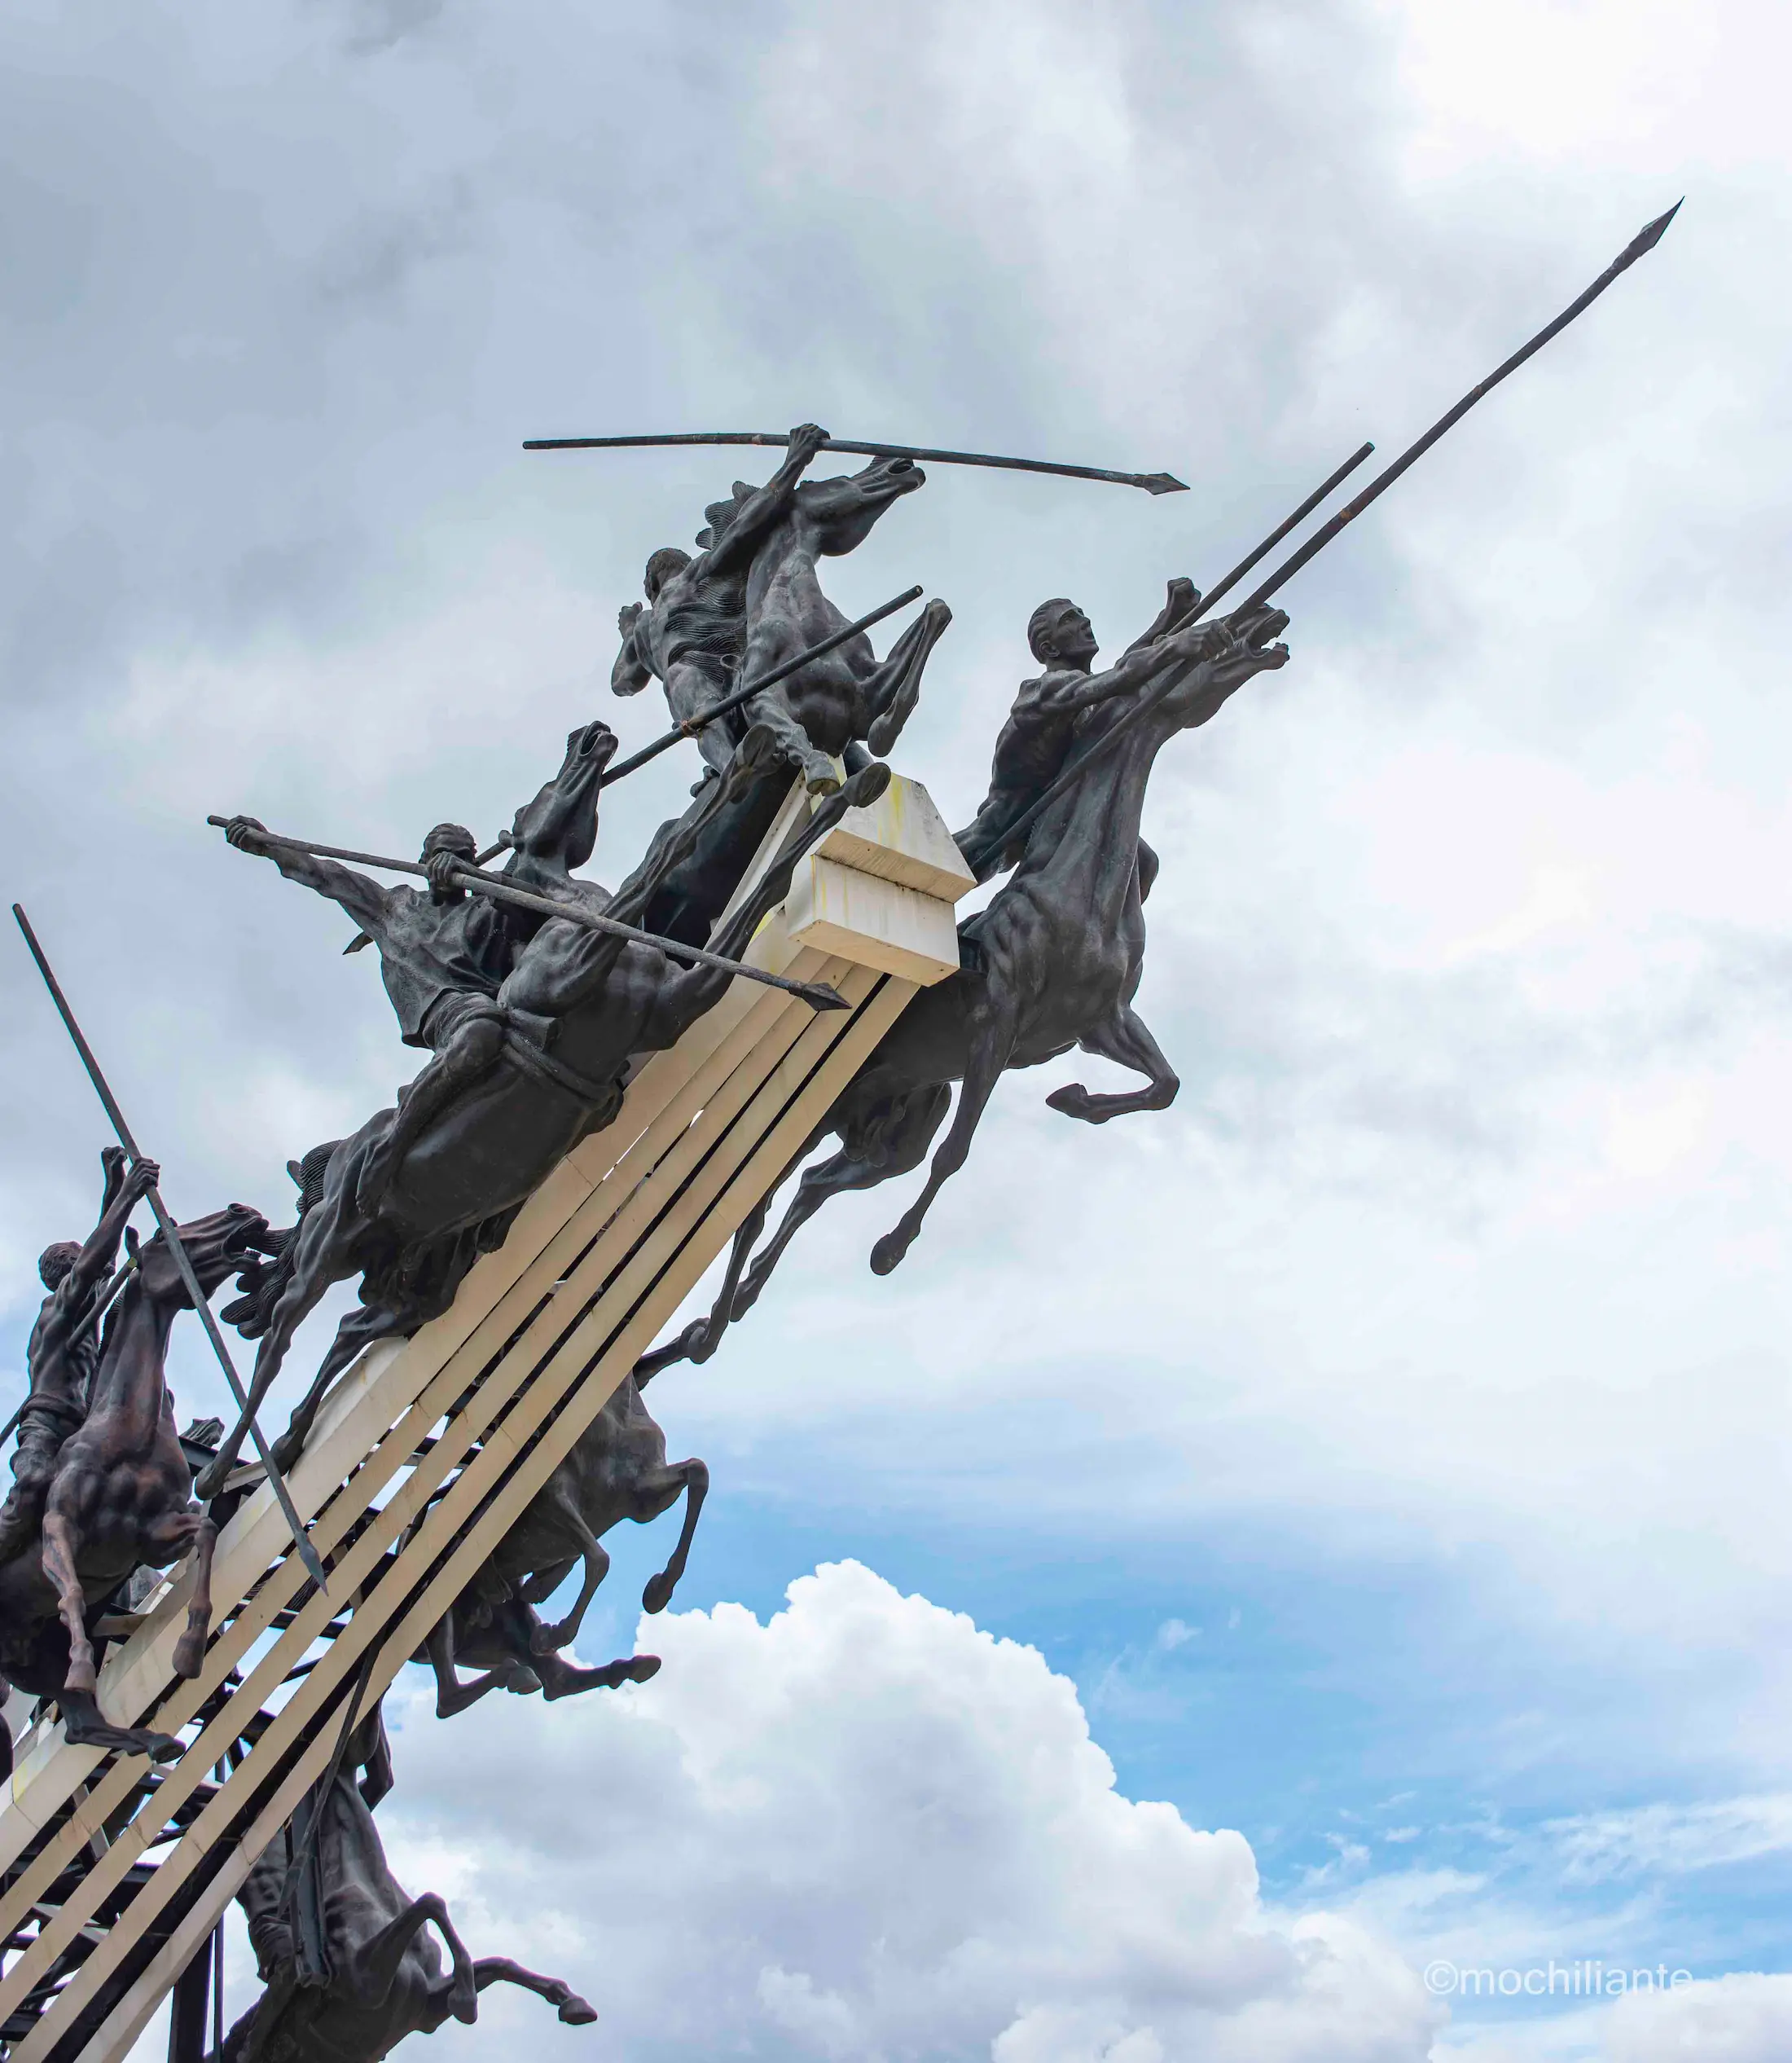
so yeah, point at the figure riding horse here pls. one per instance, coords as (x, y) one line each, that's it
(596, 1002)
(1053, 962)
(121, 1495)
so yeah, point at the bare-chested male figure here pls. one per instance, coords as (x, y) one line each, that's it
(1035, 741)
(65, 1349)
(691, 633)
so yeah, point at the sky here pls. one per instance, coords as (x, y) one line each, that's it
(1254, 1562)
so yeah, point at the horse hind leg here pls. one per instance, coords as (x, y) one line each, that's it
(561, 1679)
(698, 1341)
(361, 1328)
(992, 1043)
(500, 1969)
(892, 692)
(1125, 1039)
(452, 1696)
(82, 1723)
(901, 1147)
(565, 1508)
(61, 1548)
(692, 1478)
(366, 1977)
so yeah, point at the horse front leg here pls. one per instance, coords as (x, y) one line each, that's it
(692, 1477)
(1125, 1039)
(500, 1969)
(321, 1259)
(565, 1506)
(991, 1045)
(893, 689)
(169, 1540)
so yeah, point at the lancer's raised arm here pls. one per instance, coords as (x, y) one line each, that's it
(731, 551)
(364, 899)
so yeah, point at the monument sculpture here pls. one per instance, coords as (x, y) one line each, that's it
(617, 1085)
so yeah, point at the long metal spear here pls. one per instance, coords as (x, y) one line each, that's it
(1640, 245)
(1281, 529)
(816, 994)
(1644, 241)
(1153, 483)
(307, 1553)
(694, 725)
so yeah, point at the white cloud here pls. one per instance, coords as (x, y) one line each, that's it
(1744, 2019)
(866, 1828)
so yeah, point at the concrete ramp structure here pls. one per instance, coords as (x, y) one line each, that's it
(114, 1874)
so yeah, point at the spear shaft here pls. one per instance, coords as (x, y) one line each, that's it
(1281, 529)
(1640, 245)
(1644, 241)
(667, 740)
(817, 994)
(1153, 483)
(307, 1553)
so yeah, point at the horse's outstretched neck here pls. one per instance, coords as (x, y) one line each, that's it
(1091, 833)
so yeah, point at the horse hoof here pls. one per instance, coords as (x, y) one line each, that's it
(1073, 1101)
(576, 2012)
(658, 1594)
(887, 1255)
(641, 1668)
(822, 780)
(519, 1681)
(210, 1481)
(548, 1640)
(189, 1654)
(867, 785)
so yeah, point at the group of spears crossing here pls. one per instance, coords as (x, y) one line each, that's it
(534, 991)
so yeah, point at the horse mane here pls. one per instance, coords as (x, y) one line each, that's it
(720, 514)
(261, 1281)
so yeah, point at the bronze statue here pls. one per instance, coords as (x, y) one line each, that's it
(503, 1638)
(63, 1350)
(120, 1498)
(341, 1947)
(690, 632)
(444, 955)
(1053, 962)
(847, 699)
(616, 1469)
(583, 1006)
(1034, 744)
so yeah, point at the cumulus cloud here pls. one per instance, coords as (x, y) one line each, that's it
(1743, 2019)
(866, 1828)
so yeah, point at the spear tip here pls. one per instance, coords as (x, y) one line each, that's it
(820, 996)
(1162, 483)
(1650, 235)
